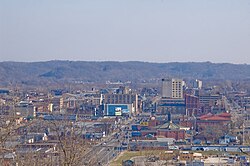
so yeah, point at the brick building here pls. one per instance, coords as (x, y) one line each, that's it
(192, 104)
(171, 130)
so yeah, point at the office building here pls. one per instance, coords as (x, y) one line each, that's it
(172, 88)
(197, 84)
(121, 99)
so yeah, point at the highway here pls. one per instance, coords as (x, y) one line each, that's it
(102, 153)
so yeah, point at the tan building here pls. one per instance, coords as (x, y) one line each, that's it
(172, 88)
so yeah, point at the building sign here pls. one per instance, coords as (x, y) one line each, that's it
(118, 111)
(144, 124)
(125, 111)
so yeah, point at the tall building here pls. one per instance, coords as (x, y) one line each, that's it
(172, 97)
(172, 88)
(197, 84)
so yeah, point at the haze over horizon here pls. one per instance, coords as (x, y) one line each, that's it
(64, 60)
(144, 30)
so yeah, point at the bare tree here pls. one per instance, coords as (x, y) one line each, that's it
(71, 144)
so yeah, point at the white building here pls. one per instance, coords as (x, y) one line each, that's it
(197, 84)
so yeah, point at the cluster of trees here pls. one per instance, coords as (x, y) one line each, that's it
(39, 73)
(66, 145)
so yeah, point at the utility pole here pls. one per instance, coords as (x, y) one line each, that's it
(243, 131)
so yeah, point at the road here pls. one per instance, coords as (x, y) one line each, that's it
(102, 153)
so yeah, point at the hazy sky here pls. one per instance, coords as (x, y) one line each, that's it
(125, 30)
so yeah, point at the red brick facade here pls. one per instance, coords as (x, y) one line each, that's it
(176, 134)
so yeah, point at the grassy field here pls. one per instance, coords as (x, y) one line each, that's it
(126, 155)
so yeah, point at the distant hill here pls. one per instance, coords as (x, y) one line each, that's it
(35, 73)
